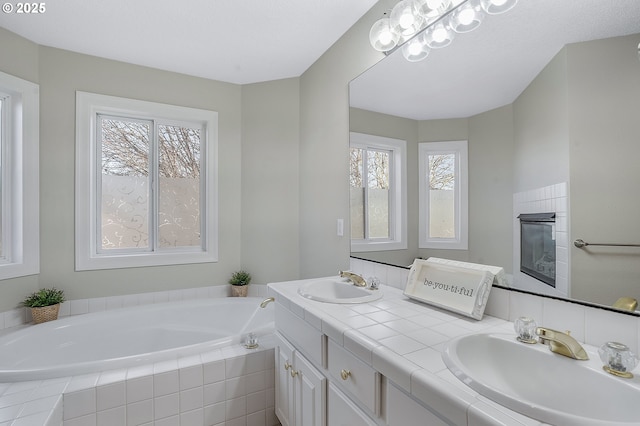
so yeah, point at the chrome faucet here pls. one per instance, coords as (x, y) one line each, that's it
(561, 343)
(356, 279)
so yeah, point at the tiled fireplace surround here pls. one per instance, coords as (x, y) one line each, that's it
(195, 382)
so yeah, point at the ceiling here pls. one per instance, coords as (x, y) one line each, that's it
(236, 41)
(491, 66)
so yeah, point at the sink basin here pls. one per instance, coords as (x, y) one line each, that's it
(548, 387)
(337, 291)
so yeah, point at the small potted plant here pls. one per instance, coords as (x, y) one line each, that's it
(44, 304)
(239, 281)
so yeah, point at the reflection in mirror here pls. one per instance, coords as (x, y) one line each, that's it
(547, 97)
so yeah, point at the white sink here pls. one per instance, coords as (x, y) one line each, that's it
(551, 388)
(337, 291)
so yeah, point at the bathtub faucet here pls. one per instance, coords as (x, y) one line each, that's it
(266, 301)
(356, 279)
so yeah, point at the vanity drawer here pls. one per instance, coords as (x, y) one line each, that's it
(354, 376)
(304, 337)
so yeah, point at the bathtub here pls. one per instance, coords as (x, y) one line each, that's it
(127, 337)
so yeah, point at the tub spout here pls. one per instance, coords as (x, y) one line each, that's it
(266, 301)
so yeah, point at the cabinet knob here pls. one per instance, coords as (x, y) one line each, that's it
(294, 373)
(287, 365)
(345, 374)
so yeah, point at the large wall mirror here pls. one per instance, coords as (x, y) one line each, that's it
(547, 97)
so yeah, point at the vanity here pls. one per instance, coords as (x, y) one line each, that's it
(380, 363)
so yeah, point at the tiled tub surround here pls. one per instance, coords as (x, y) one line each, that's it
(403, 340)
(230, 386)
(227, 386)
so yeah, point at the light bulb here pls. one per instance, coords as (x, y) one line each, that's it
(466, 16)
(405, 19)
(439, 35)
(415, 50)
(385, 37)
(431, 10)
(382, 37)
(495, 7)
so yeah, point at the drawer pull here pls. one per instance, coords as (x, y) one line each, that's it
(345, 374)
(294, 373)
(287, 365)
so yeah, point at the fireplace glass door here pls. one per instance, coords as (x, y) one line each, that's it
(538, 246)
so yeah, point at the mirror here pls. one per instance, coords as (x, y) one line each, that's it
(547, 96)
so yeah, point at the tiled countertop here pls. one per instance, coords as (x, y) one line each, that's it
(403, 340)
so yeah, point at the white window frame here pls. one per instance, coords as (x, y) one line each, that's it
(397, 192)
(89, 255)
(20, 177)
(461, 195)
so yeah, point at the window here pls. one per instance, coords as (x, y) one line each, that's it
(146, 185)
(19, 196)
(377, 193)
(443, 195)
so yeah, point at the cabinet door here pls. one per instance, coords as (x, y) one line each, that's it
(310, 391)
(342, 412)
(284, 382)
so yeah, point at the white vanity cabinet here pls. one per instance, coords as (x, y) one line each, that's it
(284, 382)
(342, 411)
(300, 388)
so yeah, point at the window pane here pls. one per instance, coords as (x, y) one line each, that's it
(441, 196)
(179, 173)
(356, 192)
(378, 193)
(124, 183)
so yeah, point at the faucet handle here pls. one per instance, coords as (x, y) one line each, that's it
(374, 283)
(526, 329)
(618, 359)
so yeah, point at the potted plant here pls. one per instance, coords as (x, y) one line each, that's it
(239, 281)
(44, 304)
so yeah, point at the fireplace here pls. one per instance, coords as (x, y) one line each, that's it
(538, 246)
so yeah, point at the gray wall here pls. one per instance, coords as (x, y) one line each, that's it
(604, 96)
(541, 144)
(324, 147)
(258, 156)
(270, 172)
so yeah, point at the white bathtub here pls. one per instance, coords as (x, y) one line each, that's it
(127, 337)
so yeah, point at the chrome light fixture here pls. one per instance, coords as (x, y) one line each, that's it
(420, 25)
